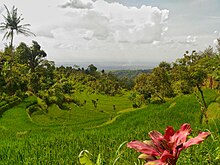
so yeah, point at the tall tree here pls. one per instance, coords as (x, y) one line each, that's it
(161, 81)
(12, 24)
(40, 75)
(192, 71)
(33, 56)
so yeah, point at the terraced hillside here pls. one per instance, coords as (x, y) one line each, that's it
(58, 136)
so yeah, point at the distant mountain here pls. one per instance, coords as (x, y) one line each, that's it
(110, 66)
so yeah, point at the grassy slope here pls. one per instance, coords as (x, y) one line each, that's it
(61, 144)
(85, 116)
(16, 119)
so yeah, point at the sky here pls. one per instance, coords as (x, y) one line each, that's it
(129, 33)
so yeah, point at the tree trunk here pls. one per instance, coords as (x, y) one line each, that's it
(203, 106)
(211, 82)
(12, 38)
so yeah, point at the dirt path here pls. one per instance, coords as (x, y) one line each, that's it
(118, 114)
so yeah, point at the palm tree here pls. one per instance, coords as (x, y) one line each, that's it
(12, 24)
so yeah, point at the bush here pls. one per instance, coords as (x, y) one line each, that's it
(33, 108)
(3, 103)
(8, 103)
(4, 108)
(29, 101)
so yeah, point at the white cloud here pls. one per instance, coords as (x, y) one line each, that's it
(120, 23)
(94, 30)
(215, 42)
(191, 39)
(76, 22)
(88, 35)
(45, 31)
(156, 42)
(84, 21)
(1, 9)
(217, 34)
(78, 4)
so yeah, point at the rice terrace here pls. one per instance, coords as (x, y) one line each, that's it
(101, 82)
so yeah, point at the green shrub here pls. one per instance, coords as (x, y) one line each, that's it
(9, 102)
(33, 108)
(4, 107)
(3, 103)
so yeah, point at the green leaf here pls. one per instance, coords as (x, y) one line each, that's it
(85, 158)
(99, 160)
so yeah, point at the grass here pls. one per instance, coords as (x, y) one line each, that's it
(86, 116)
(60, 141)
(17, 118)
(214, 111)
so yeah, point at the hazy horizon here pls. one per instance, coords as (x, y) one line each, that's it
(111, 65)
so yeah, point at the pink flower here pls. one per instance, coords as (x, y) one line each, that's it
(165, 149)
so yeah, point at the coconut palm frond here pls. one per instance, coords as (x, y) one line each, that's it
(12, 24)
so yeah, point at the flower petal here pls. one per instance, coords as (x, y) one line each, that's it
(156, 162)
(159, 141)
(198, 139)
(155, 135)
(148, 142)
(169, 132)
(144, 148)
(147, 157)
(181, 135)
(166, 155)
